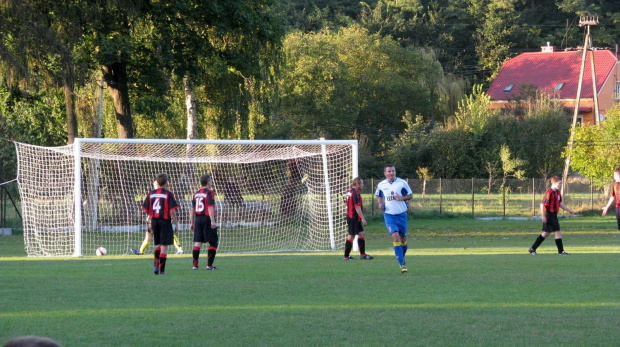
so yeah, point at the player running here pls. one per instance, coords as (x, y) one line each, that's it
(392, 196)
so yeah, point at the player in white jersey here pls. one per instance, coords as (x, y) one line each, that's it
(392, 196)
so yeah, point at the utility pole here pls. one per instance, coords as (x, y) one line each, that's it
(586, 21)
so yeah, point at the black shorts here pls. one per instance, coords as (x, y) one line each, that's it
(355, 226)
(552, 224)
(162, 231)
(203, 231)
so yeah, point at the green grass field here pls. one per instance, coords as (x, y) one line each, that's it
(470, 282)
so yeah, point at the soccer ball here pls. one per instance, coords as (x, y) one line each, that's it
(101, 251)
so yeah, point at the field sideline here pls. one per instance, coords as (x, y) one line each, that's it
(470, 282)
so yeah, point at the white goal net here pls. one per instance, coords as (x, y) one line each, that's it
(273, 195)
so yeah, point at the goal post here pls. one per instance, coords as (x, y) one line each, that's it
(87, 195)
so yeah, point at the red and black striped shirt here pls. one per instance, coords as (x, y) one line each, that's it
(615, 192)
(552, 201)
(353, 199)
(159, 203)
(203, 199)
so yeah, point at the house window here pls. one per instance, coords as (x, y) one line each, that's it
(617, 90)
(559, 86)
(579, 121)
(509, 87)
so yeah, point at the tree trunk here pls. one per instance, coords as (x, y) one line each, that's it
(115, 76)
(72, 131)
(190, 110)
(190, 107)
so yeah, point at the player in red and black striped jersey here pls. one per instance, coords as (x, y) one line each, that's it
(615, 196)
(161, 206)
(549, 208)
(149, 235)
(355, 220)
(202, 217)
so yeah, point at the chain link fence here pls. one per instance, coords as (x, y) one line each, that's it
(475, 198)
(481, 198)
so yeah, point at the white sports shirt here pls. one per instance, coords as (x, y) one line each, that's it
(387, 190)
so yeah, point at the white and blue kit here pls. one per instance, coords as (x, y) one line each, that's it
(394, 211)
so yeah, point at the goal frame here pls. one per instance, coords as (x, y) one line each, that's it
(77, 145)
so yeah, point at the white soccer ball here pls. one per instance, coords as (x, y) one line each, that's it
(101, 251)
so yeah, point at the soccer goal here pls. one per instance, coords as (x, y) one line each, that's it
(271, 195)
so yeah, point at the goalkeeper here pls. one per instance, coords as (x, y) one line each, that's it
(149, 235)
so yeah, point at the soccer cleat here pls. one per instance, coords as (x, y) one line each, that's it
(180, 252)
(532, 251)
(349, 258)
(403, 269)
(162, 273)
(366, 256)
(194, 268)
(564, 253)
(135, 251)
(156, 270)
(211, 268)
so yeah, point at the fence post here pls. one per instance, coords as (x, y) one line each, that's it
(372, 201)
(504, 200)
(591, 196)
(533, 196)
(2, 207)
(472, 199)
(407, 202)
(440, 195)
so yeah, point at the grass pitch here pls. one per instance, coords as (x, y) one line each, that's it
(469, 283)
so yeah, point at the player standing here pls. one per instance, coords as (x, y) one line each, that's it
(355, 220)
(392, 196)
(615, 196)
(549, 208)
(149, 235)
(161, 206)
(202, 218)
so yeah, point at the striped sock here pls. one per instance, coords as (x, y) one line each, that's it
(211, 255)
(162, 262)
(157, 255)
(196, 255)
(348, 245)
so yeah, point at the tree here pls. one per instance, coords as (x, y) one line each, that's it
(500, 31)
(346, 82)
(510, 165)
(596, 152)
(539, 138)
(40, 38)
(424, 174)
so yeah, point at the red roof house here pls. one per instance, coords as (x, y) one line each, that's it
(557, 73)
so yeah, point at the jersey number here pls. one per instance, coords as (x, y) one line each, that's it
(157, 206)
(200, 205)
